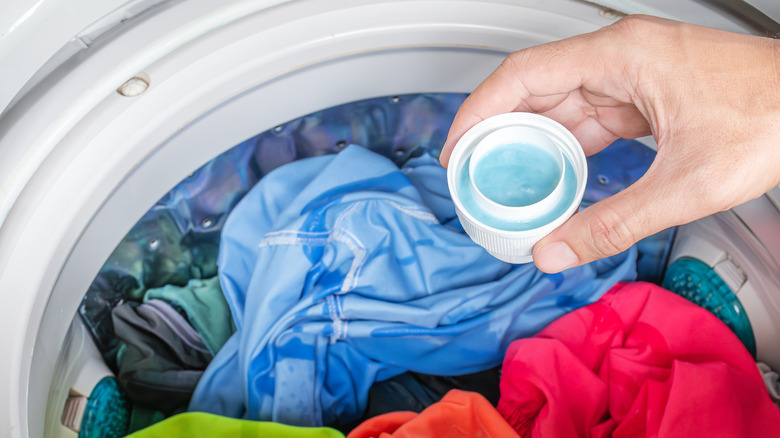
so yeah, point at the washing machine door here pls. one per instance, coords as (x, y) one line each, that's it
(110, 103)
(32, 31)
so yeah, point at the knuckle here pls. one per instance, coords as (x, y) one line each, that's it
(634, 24)
(609, 234)
(515, 60)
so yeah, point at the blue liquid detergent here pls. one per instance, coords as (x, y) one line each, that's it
(463, 186)
(517, 175)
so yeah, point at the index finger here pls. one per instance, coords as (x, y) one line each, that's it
(535, 79)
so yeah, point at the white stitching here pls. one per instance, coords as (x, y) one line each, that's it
(344, 236)
(359, 252)
(415, 212)
(337, 331)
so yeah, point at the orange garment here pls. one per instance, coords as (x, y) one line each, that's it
(460, 414)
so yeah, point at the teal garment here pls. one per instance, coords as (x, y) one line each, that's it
(199, 424)
(205, 307)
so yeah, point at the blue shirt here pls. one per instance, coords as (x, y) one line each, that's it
(345, 270)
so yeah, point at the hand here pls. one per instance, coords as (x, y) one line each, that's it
(710, 98)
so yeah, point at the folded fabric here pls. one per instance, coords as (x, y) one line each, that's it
(338, 275)
(202, 425)
(641, 362)
(205, 307)
(161, 357)
(459, 414)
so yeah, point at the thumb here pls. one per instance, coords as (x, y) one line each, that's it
(608, 227)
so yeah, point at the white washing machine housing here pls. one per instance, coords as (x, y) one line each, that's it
(80, 163)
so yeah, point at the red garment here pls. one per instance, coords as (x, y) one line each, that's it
(640, 362)
(460, 414)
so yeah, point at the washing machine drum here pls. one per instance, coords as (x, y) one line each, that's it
(120, 102)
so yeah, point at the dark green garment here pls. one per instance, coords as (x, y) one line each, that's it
(205, 306)
(142, 417)
(200, 424)
(161, 357)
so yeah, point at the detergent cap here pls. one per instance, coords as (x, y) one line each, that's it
(514, 178)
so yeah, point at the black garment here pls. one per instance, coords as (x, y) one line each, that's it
(416, 391)
(161, 357)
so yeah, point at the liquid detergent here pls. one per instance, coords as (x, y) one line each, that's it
(517, 175)
(487, 218)
(514, 178)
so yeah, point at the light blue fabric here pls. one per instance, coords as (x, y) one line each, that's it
(339, 273)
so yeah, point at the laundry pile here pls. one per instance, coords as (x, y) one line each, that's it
(339, 274)
(299, 286)
(618, 367)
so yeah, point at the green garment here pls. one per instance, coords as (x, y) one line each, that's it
(205, 307)
(201, 424)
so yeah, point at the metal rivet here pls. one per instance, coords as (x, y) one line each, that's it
(207, 223)
(395, 99)
(154, 243)
(133, 87)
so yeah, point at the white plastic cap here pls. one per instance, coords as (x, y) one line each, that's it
(508, 230)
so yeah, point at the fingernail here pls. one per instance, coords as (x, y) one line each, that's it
(555, 257)
(442, 160)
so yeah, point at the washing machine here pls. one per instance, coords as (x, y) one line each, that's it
(107, 104)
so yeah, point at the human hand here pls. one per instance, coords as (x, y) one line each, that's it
(710, 98)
